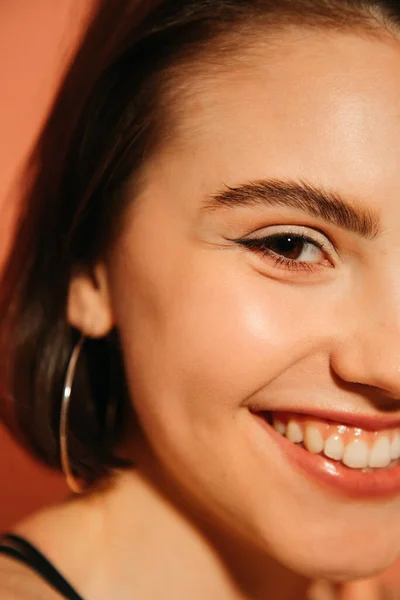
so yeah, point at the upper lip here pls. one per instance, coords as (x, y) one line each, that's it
(371, 422)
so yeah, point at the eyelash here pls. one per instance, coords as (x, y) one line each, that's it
(258, 245)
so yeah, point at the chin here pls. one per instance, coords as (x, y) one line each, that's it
(341, 562)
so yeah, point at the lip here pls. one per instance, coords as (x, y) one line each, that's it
(352, 419)
(333, 475)
(367, 422)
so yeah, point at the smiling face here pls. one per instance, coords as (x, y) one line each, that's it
(214, 326)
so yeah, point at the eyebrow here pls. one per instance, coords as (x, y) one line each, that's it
(312, 200)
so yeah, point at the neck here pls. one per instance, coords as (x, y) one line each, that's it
(150, 525)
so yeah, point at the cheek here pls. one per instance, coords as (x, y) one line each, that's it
(202, 335)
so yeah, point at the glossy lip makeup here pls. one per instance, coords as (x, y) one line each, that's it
(350, 460)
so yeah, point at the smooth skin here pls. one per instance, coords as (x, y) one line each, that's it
(210, 328)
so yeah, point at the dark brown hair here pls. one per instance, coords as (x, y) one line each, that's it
(108, 118)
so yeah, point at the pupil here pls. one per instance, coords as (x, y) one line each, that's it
(287, 246)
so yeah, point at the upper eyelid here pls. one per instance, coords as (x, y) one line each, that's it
(300, 230)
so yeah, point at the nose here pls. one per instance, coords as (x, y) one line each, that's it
(367, 342)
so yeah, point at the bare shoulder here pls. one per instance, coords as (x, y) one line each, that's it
(18, 582)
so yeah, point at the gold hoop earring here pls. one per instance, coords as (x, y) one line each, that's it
(73, 483)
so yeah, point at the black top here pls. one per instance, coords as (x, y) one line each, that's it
(19, 549)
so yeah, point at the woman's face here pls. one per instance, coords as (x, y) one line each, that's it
(303, 325)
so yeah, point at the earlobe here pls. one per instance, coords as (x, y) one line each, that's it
(89, 307)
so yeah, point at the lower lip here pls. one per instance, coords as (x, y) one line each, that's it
(339, 478)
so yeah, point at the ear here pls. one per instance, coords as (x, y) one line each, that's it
(89, 306)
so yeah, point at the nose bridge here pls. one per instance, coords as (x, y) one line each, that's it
(368, 348)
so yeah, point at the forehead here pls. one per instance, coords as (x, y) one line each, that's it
(324, 106)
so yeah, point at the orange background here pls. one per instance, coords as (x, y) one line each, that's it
(36, 39)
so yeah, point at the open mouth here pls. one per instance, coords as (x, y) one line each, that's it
(357, 460)
(354, 447)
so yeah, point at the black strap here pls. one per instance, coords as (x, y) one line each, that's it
(20, 549)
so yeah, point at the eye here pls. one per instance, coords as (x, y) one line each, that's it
(292, 249)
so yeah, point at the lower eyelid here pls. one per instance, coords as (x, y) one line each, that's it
(291, 265)
(289, 261)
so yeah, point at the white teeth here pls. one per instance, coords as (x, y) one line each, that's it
(356, 455)
(280, 427)
(395, 447)
(313, 440)
(353, 451)
(380, 453)
(294, 433)
(334, 448)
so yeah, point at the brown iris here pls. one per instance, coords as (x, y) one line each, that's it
(289, 246)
